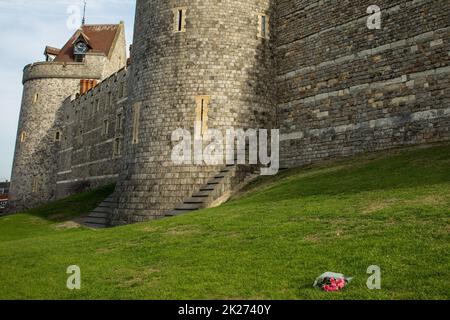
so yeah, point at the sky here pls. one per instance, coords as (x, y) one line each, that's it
(26, 27)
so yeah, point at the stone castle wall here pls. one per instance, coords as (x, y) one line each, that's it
(32, 181)
(35, 179)
(91, 69)
(217, 54)
(333, 87)
(344, 89)
(91, 144)
(117, 58)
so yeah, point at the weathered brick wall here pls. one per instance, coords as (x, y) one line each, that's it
(218, 55)
(91, 125)
(344, 89)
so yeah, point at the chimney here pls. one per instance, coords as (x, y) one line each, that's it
(86, 85)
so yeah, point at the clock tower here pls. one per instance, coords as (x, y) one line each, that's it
(92, 54)
(80, 47)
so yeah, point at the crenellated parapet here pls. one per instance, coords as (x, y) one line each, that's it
(91, 126)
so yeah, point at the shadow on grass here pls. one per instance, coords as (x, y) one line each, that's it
(73, 206)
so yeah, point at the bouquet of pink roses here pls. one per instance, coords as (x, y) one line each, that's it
(331, 281)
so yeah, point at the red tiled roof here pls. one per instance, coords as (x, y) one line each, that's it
(51, 50)
(101, 38)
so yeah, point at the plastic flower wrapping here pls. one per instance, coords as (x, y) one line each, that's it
(332, 281)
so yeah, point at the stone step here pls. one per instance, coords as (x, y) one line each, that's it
(175, 213)
(108, 205)
(195, 200)
(112, 200)
(201, 194)
(178, 212)
(98, 215)
(215, 181)
(103, 210)
(189, 206)
(95, 225)
(94, 220)
(208, 188)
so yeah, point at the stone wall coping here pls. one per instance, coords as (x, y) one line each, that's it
(64, 70)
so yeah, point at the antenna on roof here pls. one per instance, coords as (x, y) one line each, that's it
(84, 14)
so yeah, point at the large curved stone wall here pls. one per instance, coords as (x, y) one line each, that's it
(219, 55)
(33, 179)
(47, 86)
(91, 69)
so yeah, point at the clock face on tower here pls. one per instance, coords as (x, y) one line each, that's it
(80, 48)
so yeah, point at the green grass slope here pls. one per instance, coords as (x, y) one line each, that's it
(270, 242)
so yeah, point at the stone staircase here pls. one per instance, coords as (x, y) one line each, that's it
(101, 216)
(218, 189)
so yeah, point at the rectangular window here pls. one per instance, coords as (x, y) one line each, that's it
(111, 100)
(35, 98)
(105, 127)
(119, 123)
(201, 112)
(57, 136)
(88, 154)
(179, 19)
(263, 26)
(34, 185)
(117, 147)
(108, 100)
(136, 120)
(122, 90)
(23, 137)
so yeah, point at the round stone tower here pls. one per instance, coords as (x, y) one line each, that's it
(46, 86)
(94, 52)
(195, 60)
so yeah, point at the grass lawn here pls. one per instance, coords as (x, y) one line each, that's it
(270, 242)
